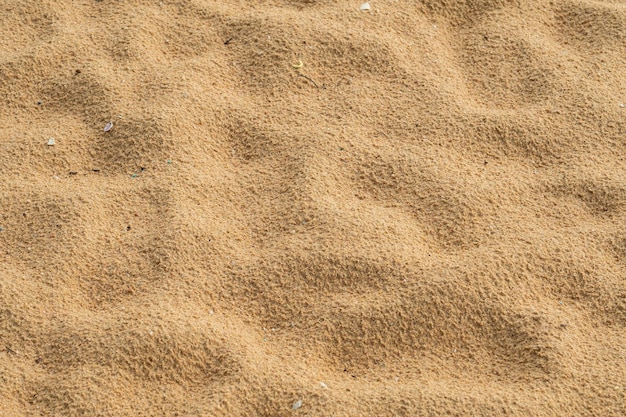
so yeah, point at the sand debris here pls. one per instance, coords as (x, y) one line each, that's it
(365, 6)
(51, 142)
(108, 126)
(296, 405)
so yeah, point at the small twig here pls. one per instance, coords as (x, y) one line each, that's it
(11, 351)
(227, 41)
(310, 79)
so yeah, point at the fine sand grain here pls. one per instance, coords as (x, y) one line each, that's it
(304, 208)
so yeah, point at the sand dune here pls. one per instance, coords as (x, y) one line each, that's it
(414, 210)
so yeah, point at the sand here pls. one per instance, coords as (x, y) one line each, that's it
(414, 210)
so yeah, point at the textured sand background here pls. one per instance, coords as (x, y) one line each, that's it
(428, 217)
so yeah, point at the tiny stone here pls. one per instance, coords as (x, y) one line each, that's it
(51, 142)
(365, 6)
(296, 405)
(1, 229)
(323, 385)
(108, 126)
(622, 105)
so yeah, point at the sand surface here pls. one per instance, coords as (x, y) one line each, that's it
(414, 210)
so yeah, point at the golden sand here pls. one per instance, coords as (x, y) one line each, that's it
(416, 210)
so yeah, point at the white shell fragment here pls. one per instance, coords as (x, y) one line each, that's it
(51, 142)
(365, 6)
(296, 405)
(108, 126)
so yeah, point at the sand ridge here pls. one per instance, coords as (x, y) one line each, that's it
(426, 218)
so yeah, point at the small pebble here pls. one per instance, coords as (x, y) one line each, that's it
(1, 229)
(622, 105)
(365, 6)
(296, 405)
(323, 385)
(108, 126)
(51, 142)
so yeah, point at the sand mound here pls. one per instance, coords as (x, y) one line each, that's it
(414, 210)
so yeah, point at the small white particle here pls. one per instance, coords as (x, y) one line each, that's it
(296, 405)
(51, 142)
(108, 126)
(365, 6)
